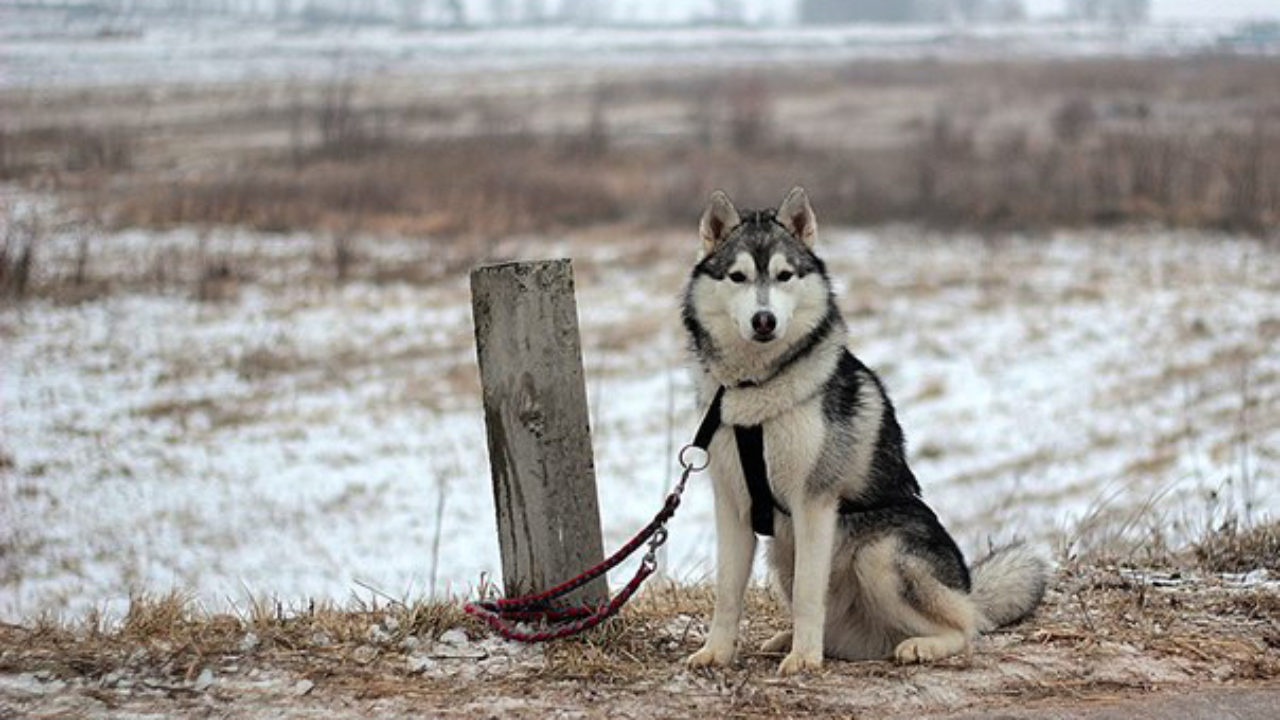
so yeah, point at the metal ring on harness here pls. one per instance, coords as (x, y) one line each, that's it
(694, 467)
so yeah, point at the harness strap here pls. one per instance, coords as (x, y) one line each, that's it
(750, 441)
(710, 422)
(751, 455)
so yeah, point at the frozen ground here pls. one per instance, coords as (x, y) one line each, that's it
(1186, 644)
(299, 439)
(43, 49)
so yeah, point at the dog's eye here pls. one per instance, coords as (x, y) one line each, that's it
(784, 276)
(737, 277)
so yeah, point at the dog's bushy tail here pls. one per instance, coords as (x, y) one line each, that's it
(1008, 584)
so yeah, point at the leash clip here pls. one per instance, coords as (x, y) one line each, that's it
(650, 560)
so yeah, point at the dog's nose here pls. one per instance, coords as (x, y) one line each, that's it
(764, 323)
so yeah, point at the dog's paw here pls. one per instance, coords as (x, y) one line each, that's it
(800, 662)
(711, 656)
(780, 642)
(923, 649)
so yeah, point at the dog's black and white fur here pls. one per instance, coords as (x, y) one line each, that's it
(865, 565)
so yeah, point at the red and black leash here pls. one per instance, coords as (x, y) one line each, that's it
(504, 614)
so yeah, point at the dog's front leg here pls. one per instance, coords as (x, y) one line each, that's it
(814, 522)
(735, 551)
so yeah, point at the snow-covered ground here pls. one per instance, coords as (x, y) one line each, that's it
(44, 49)
(301, 439)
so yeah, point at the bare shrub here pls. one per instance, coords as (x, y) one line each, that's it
(735, 113)
(750, 112)
(701, 113)
(945, 148)
(1074, 119)
(267, 360)
(108, 149)
(336, 118)
(65, 149)
(216, 280)
(345, 130)
(593, 140)
(18, 256)
(296, 119)
(344, 252)
(80, 275)
(9, 152)
(1250, 179)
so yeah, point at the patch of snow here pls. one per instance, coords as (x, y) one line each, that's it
(203, 681)
(248, 643)
(299, 439)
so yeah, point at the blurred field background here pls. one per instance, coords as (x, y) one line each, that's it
(235, 329)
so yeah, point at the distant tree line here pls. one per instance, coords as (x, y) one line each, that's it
(910, 11)
(935, 11)
(1116, 12)
(415, 13)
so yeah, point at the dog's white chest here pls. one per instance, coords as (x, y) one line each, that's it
(792, 444)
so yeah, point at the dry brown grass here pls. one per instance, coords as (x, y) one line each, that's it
(1188, 142)
(171, 636)
(1183, 142)
(485, 187)
(1104, 631)
(496, 186)
(1234, 549)
(1170, 611)
(47, 152)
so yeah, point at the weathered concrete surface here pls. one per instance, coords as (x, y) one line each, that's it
(535, 413)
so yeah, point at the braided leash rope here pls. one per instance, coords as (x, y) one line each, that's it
(504, 614)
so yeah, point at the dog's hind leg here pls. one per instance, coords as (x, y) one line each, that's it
(940, 620)
(927, 648)
(922, 618)
(779, 642)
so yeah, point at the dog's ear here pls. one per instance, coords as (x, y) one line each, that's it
(796, 215)
(719, 218)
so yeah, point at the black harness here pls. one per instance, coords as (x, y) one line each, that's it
(750, 440)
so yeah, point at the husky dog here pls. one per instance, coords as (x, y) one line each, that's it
(866, 567)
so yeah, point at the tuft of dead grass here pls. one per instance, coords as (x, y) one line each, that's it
(1236, 549)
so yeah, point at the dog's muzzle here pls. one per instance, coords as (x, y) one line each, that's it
(763, 324)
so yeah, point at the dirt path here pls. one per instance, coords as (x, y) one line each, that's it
(1107, 643)
(270, 696)
(1243, 703)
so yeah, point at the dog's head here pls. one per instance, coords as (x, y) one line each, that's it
(758, 284)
